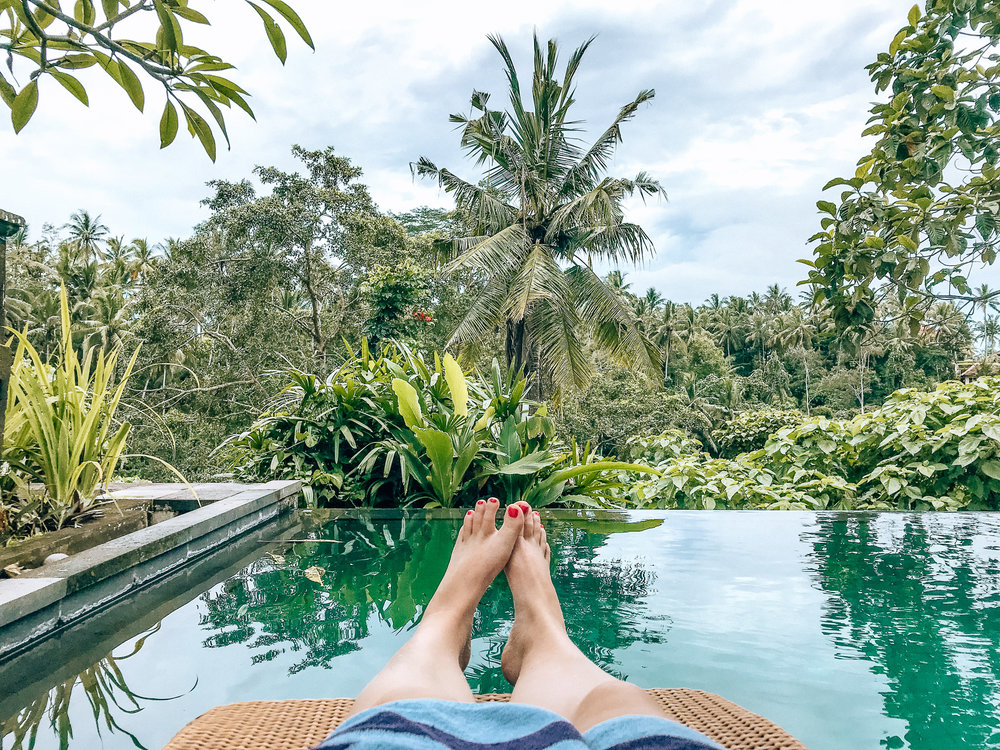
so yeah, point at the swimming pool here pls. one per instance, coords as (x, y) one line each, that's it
(851, 630)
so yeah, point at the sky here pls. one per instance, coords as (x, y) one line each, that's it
(758, 104)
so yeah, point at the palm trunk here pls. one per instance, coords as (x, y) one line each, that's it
(514, 345)
(805, 363)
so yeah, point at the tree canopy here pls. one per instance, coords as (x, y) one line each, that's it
(541, 214)
(49, 42)
(922, 212)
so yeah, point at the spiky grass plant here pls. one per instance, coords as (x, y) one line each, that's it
(61, 426)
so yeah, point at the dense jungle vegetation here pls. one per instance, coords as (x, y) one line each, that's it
(433, 355)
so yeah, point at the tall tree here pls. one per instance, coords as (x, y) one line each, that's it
(542, 213)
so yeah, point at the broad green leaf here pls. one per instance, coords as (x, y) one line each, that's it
(198, 127)
(991, 469)
(914, 15)
(274, 33)
(85, 12)
(168, 125)
(191, 15)
(408, 403)
(293, 19)
(72, 85)
(130, 82)
(947, 93)
(167, 28)
(24, 106)
(457, 385)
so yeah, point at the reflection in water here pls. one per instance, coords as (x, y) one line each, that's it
(388, 570)
(107, 693)
(919, 597)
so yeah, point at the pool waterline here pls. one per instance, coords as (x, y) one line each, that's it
(888, 620)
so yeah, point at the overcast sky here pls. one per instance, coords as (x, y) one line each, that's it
(758, 103)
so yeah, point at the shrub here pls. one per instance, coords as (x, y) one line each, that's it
(750, 430)
(61, 431)
(921, 450)
(390, 429)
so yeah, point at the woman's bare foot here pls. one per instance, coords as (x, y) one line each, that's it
(538, 618)
(431, 663)
(479, 555)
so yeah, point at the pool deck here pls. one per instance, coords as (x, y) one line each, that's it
(48, 598)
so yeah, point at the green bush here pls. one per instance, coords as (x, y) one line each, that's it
(921, 450)
(389, 429)
(62, 440)
(750, 430)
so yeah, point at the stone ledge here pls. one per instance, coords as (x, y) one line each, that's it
(69, 589)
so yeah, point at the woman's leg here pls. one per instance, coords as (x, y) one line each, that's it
(539, 659)
(430, 664)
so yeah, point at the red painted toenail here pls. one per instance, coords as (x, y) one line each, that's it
(512, 511)
(536, 513)
(481, 502)
(523, 504)
(469, 513)
(494, 500)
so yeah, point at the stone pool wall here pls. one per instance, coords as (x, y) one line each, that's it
(55, 595)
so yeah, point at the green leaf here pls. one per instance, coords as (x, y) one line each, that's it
(914, 15)
(72, 85)
(991, 469)
(110, 7)
(274, 33)
(409, 404)
(24, 106)
(293, 19)
(85, 12)
(130, 82)
(947, 93)
(191, 15)
(455, 378)
(198, 127)
(827, 207)
(168, 125)
(167, 24)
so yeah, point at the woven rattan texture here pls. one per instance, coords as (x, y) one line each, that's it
(300, 724)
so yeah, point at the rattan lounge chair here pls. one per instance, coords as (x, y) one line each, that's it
(300, 724)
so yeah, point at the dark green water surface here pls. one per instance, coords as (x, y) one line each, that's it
(852, 631)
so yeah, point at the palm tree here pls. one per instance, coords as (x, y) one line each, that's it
(986, 301)
(87, 233)
(665, 330)
(796, 330)
(143, 258)
(653, 298)
(541, 214)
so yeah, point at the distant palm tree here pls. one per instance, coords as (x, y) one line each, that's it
(541, 214)
(653, 298)
(87, 233)
(986, 300)
(795, 330)
(143, 258)
(664, 330)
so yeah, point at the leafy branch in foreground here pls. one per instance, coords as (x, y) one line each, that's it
(49, 41)
(922, 211)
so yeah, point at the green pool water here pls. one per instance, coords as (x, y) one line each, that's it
(852, 631)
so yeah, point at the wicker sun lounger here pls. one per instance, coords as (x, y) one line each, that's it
(300, 724)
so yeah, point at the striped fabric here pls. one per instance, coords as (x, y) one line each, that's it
(436, 725)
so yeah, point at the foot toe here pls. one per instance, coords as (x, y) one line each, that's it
(513, 523)
(489, 515)
(479, 517)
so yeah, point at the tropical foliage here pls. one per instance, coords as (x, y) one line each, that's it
(920, 214)
(62, 431)
(388, 428)
(43, 42)
(937, 450)
(543, 212)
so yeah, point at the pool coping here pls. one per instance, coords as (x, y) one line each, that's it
(58, 593)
